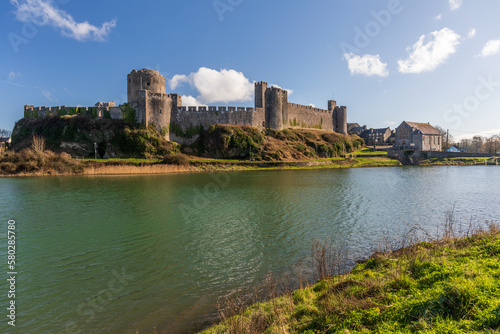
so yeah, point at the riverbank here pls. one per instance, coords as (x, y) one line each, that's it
(110, 167)
(445, 286)
(29, 163)
(461, 161)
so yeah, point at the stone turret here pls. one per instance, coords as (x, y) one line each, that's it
(144, 79)
(276, 112)
(340, 115)
(260, 94)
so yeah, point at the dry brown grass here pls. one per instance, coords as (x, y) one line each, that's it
(136, 170)
(31, 162)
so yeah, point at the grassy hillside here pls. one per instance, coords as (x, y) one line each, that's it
(446, 286)
(76, 136)
(245, 142)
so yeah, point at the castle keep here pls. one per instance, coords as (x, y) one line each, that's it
(146, 93)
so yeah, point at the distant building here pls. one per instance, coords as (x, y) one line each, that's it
(351, 126)
(355, 128)
(418, 136)
(392, 138)
(376, 136)
(455, 149)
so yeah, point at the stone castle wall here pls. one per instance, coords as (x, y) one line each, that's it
(188, 117)
(108, 110)
(300, 116)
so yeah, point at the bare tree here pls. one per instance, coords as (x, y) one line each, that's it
(446, 138)
(38, 143)
(477, 144)
(5, 133)
(466, 144)
(492, 144)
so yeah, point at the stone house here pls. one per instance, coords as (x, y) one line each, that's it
(418, 136)
(392, 138)
(376, 136)
(355, 129)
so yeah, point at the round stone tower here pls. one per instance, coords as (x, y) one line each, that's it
(144, 79)
(276, 103)
(341, 115)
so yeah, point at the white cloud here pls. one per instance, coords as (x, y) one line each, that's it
(390, 123)
(43, 13)
(289, 91)
(486, 133)
(439, 17)
(312, 105)
(368, 65)
(455, 4)
(11, 83)
(430, 51)
(69, 92)
(472, 33)
(217, 86)
(177, 80)
(49, 96)
(13, 75)
(491, 48)
(190, 101)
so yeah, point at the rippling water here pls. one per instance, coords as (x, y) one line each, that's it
(120, 254)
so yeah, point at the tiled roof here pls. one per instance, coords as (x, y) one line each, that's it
(426, 128)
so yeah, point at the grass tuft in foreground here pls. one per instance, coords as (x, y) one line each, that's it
(451, 285)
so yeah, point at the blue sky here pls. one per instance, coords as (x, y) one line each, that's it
(431, 61)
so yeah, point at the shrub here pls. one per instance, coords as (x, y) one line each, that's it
(129, 114)
(176, 159)
(325, 151)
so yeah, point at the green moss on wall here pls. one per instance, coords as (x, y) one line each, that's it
(129, 114)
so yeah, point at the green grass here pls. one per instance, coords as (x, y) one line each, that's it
(446, 286)
(369, 151)
(467, 161)
(327, 163)
(337, 163)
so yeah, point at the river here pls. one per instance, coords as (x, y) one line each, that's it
(120, 254)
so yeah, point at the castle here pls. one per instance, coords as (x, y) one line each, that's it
(146, 93)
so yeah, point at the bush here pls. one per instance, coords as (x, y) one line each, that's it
(129, 114)
(28, 161)
(176, 159)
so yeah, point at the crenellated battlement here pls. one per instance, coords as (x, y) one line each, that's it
(211, 109)
(100, 110)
